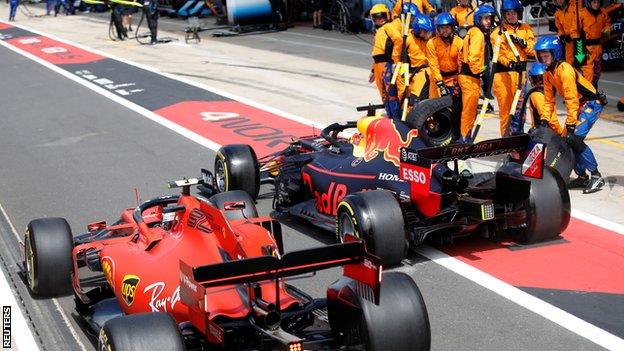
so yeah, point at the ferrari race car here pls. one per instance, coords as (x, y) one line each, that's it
(187, 272)
(384, 185)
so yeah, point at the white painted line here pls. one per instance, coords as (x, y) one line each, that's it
(610, 82)
(600, 222)
(324, 47)
(54, 300)
(360, 42)
(168, 75)
(528, 301)
(544, 309)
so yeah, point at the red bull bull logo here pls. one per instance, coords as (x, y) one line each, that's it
(381, 136)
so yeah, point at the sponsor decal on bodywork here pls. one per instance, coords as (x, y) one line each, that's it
(128, 288)
(108, 268)
(161, 303)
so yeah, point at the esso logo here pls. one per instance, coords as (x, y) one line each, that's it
(412, 175)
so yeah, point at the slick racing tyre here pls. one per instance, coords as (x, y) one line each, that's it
(221, 199)
(145, 331)
(433, 119)
(376, 217)
(559, 154)
(548, 208)
(48, 245)
(236, 168)
(399, 322)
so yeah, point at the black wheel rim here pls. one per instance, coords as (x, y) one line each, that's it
(438, 127)
(345, 225)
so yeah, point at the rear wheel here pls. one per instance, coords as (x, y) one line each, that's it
(236, 168)
(48, 245)
(220, 200)
(559, 154)
(145, 331)
(433, 119)
(399, 322)
(548, 208)
(377, 218)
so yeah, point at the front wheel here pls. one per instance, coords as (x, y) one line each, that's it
(236, 168)
(377, 218)
(48, 245)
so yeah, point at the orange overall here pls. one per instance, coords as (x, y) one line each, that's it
(423, 6)
(505, 81)
(593, 24)
(382, 58)
(472, 61)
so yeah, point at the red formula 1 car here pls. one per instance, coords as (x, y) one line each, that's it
(186, 272)
(367, 186)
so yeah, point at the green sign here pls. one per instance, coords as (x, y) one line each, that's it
(580, 55)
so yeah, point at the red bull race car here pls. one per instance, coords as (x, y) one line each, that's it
(192, 273)
(384, 185)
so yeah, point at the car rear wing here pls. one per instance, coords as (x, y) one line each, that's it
(484, 148)
(416, 165)
(531, 154)
(358, 264)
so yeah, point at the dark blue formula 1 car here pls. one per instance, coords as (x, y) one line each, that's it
(384, 185)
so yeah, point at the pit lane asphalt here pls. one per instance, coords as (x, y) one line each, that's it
(67, 151)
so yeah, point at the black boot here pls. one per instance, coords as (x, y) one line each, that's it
(580, 182)
(595, 183)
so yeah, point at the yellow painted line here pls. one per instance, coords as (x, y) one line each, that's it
(607, 141)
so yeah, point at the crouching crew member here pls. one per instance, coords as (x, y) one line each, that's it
(516, 44)
(583, 105)
(472, 64)
(535, 104)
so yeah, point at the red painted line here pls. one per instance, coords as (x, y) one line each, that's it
(53, 51)
(230, 122)
(5, 26)
(345, 175)
(591, 260)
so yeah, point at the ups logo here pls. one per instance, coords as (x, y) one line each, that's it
(128, 288)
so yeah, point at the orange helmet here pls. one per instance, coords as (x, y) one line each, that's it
(380, 9)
